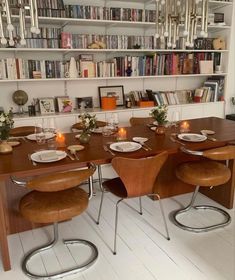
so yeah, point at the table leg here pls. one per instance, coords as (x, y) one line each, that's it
(3, 229)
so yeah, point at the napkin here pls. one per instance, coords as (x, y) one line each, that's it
(124, 147)
(49, 156)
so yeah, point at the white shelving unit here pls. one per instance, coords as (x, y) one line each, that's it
(81, 87)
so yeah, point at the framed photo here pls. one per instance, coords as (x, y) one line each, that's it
(46, 105)
(84, 102)
(117, 91)
(64, 104)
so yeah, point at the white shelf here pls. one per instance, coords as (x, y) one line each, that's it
(112, 78)
(106, 50)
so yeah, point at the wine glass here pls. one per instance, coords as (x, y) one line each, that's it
(39, 134)
(175, 118)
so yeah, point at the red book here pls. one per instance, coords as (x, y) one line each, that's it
(66, 40)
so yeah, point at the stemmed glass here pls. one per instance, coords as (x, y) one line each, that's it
(39, 134)
(49, 125)
(175, 118)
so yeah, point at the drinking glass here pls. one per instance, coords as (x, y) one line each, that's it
(39, 134)
(49, 125)
(175, 118)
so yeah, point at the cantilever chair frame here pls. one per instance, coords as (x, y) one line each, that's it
(55, 238)
(131, 194)
(191, 205)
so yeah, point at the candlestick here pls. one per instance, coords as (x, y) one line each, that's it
(184, 127)
(60, 140)
(121, 135)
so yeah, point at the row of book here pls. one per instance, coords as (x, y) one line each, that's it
(148, 65)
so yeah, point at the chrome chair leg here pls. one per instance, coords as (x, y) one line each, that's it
(116, 224)
(100, 179)
(100, 208)
(200, 207)
(63, 273)
(163, 214)
(141, 209)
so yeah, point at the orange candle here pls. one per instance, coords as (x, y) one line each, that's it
(121, 134)
(60, 140)
(184, 127)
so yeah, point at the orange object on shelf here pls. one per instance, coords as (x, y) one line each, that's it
(145, 103)
(108, 103)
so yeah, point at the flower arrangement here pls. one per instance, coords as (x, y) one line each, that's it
(159, 113)
(88, 122)
(6, 123)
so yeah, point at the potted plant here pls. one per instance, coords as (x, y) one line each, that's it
(6, 123)
(159, 113)
(88, 122)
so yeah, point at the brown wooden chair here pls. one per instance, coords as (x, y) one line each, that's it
(207, 174)
(134, 121)
(22, 131)
(78, 125)
(136, 179)
(56, 198)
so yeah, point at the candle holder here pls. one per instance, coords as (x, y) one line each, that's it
(121, 134)
(184, 127)
(60, 140)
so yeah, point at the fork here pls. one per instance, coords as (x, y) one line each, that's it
(108, 150)
(176, 141)
(33, 162)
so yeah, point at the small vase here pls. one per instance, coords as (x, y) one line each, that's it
(160, 130)
(84, 138)
(73, 72)
(5, 148)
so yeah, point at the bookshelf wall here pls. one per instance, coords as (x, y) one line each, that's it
(82, 87)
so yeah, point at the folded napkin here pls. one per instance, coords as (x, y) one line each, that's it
(49, 156)
(124, 147)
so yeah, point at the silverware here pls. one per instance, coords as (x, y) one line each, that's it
(143, 145)
(209, 137)
(177, 141)
(33, 162)
(74, 153)
(70, 156)
(108, 150)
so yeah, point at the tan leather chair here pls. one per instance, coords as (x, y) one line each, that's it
(22, 131)
(134, 121)
(136, 179)
(55, 198)
(206, 174)
(78, 125)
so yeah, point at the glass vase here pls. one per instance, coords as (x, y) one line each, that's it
(85, 137)
(160, 130)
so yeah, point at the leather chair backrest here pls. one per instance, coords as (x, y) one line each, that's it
(60, 181)
(134, 121)
(22, 131)
(79, 125)
(139, 175)
(221, 153)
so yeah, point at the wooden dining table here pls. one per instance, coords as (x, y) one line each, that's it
(19, 165)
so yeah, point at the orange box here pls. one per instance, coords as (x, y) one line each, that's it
(145, 103)
(108, 103)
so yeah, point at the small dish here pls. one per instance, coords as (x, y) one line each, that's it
(140, 139)
(14, 143)
(75, 148)
(207, 132)
(41, 157)
(48, 135)
(153, 128)
(78, 135)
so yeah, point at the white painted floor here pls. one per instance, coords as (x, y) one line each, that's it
(143, 252)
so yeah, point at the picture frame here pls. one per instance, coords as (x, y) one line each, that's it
(117, 91)
(46, 105)
(64, 104)
(84, 102)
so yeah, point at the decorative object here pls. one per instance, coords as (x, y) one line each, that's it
(31, 110)
(108, 102)
(64, 104)
(159, 113)
(46, 105)
(121, 135)
(73, 72)
(116, 91)
(173, 14)
(8, 10)
(6, 123)
(88, 123)
(20, 98)
(84, 102)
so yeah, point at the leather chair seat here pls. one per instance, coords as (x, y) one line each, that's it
(203, 173)
(41, 207)
(116, 186)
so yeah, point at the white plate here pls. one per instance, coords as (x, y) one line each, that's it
(48, 135)
(125, 147)
(191, 137)
(140, 139)
(153, 128)
(36, 156)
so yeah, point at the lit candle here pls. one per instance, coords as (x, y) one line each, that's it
(184, 127)
(121, 134)
(60, 140)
